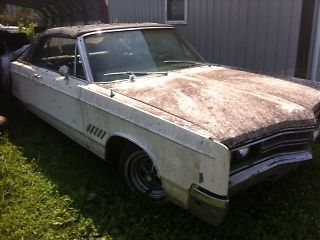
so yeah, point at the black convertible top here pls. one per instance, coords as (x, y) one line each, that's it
(75, 31)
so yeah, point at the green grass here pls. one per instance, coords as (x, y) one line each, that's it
(51, 188)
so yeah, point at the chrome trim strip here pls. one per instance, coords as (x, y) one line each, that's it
(84, 59)
(125, 29)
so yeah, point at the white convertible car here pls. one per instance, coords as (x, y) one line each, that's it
(177, 127)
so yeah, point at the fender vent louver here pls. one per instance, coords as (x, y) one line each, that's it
(95, 131)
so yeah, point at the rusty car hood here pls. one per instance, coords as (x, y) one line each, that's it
(234, 106)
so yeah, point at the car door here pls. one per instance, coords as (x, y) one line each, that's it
(58, 95)
(22, 74)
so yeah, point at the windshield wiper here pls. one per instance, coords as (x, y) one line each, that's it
(135, 74)
(186, 61)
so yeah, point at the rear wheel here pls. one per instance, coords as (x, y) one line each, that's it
(3, 122)
(5, 79)
(139, 173)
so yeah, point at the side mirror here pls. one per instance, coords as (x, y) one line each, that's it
(64, 71)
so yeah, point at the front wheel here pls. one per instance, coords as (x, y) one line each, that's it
(139, 173)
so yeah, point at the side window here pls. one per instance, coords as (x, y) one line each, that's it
(176, 11)
(55, 52)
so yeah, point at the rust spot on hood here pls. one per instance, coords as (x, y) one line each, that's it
(234, 106)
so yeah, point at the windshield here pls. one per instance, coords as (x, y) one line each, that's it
(114, 55)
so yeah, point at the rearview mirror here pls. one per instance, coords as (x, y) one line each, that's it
(64, 71)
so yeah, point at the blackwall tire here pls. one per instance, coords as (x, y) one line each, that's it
(138, 172)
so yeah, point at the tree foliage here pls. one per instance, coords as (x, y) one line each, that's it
(21, 16)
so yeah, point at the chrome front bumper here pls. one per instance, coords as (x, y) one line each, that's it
(271, 168)
(212, 208)
(207, 206)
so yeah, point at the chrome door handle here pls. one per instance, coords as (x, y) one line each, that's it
(37, 76)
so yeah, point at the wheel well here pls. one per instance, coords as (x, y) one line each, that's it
(114, 151)
(114, 147)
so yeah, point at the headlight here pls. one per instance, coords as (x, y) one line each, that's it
(243, 153)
